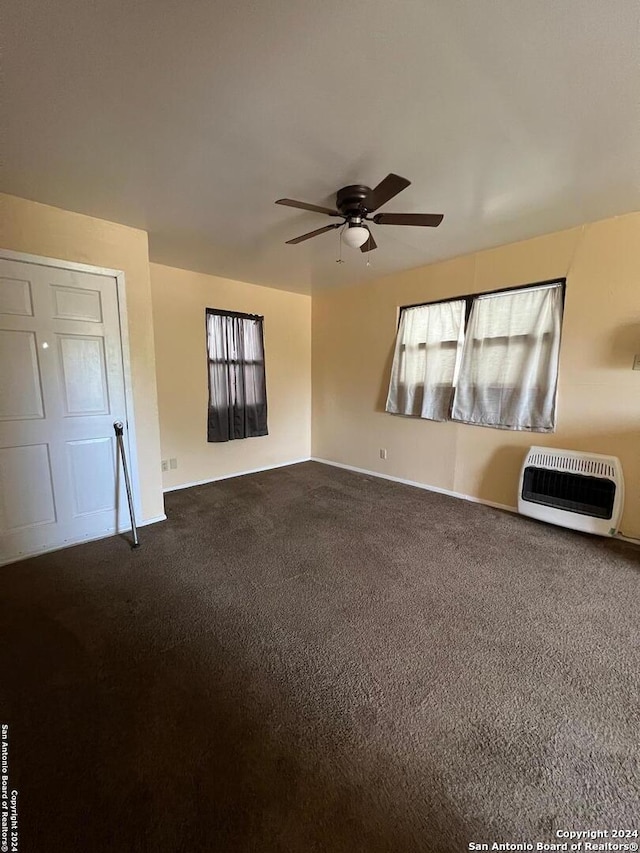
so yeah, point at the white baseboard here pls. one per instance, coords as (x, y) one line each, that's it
(626, 538)
(52, 548)
(235, 474)
(440, 491)
(416, 484)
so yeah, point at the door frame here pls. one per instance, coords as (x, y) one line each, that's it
(118, 275)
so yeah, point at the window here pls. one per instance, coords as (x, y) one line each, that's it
(490, 359)
(237, 385)
(427, 353)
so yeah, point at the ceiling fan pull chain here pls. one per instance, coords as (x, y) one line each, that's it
(339, 260)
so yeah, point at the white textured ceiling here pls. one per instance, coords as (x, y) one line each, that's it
(188, 119)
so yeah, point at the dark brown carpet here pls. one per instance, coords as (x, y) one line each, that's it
(314, 660)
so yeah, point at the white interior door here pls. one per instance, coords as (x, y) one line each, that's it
(61, 389)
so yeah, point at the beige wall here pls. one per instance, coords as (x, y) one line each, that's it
(353, 334)
(38, 229)
(179, 301)
(599, 394)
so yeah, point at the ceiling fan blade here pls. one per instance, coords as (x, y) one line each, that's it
(386, 190)
(431, 220)
(302, 205)
(370, 244)
(314, 233)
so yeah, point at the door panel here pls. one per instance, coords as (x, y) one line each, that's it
(97, 455)
(84, 375)
(27, 489)
(20, 392)
(61, 389)
(73, 303)
(15, 297)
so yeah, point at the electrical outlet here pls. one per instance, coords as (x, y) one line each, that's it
(173, 463)
(383, 453)
(636, 362)
(165, 465)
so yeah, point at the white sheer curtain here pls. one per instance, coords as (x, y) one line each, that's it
(426, 357)
(509, 368)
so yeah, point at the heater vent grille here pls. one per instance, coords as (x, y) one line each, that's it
(577, 464)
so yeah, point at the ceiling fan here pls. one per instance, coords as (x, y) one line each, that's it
(355, 204)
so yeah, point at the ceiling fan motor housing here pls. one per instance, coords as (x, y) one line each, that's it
(353, 202)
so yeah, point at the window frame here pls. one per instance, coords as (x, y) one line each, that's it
(470, 297)
(229, 363)
(220, 312)
(469, 300)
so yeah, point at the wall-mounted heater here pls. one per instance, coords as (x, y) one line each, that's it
(583, 491)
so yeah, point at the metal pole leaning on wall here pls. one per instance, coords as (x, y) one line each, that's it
(119, 428)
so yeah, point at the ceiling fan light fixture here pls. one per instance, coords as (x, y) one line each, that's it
(355, 235)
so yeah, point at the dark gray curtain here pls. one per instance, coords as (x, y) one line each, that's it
(237, 386)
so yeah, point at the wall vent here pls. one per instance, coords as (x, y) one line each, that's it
(583, 491)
